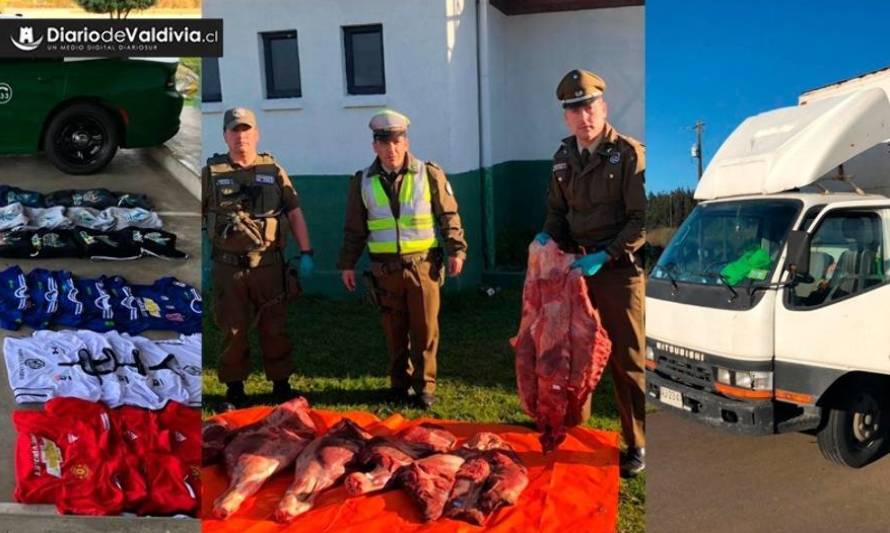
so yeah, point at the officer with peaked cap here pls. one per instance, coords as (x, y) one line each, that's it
(394, 208)
(595, 208)
(244, 195)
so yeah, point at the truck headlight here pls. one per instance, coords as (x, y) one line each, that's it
(754, 380)
(724, 376)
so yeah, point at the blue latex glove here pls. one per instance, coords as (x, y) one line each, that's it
(591, 264)
(542, 238)
(307, 266)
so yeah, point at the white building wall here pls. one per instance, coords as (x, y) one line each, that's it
(430, 49)
(325, 131)
(531, 53)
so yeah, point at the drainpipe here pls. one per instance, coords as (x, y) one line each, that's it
(484, 107)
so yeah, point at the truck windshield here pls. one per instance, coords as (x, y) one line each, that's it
(729, 243)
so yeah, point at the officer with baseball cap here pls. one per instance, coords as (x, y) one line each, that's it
(393, 208)
(244, 196)
(595, 208)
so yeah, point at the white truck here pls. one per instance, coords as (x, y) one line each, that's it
(769, 310)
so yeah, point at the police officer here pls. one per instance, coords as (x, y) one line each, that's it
(244, 195)
(394, 207)
(595, 207)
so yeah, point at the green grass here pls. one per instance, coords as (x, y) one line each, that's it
(340, 355)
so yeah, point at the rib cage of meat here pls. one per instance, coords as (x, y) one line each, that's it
(384, 456)
(260, 450)
(320, 465)
(561, 348)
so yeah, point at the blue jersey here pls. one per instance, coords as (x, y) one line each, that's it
(128, 316)
(168, 304)
(43, 288)
(72, 311)
(14, 297)
(98, 312)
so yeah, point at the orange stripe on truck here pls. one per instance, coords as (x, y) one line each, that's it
(794, 397)
(747, 394)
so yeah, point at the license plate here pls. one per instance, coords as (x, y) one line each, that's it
(671, 397)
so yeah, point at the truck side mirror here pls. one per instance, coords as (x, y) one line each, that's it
(798, 261)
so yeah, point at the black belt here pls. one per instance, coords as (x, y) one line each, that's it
(243, 261)
(396, 264)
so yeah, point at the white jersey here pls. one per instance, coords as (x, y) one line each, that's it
(13, 216)
(187, 352)
(163, 380)
(88, 217)
(133, 377)
(47, 218)
(134, 217)
(47, 365)
(102, 363)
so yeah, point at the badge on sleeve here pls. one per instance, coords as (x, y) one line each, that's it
(615, 157)
(448, 189)
(559, 166)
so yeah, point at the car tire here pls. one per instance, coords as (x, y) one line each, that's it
(855, 429)
(81, 139)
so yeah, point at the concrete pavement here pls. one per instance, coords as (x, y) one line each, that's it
(703, 479)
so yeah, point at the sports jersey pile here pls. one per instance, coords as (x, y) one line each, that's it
(112, 367)
(19, 217)
(89, 460)
(93, 223)
(95, 198)
(44, 298)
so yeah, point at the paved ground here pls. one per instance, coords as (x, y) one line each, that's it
(130, 171)
(702, 479)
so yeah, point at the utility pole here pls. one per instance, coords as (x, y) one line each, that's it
(696, 148)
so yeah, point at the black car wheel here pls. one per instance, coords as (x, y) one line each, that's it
(81, 139)
(855, 430)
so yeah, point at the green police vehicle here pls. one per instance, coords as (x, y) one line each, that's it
(80, 111)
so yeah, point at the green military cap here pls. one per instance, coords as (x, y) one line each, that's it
(387, 123)
(579, 87)
(237, 116)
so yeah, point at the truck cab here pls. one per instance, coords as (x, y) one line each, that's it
(766, 312)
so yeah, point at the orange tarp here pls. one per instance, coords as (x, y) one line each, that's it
(573, 489)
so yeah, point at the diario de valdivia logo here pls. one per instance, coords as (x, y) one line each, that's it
(26, 41)
(52, 38)
(5, 92)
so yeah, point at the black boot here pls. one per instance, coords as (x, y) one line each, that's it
(281, 391)
(632, 462)
(235, 397)
(425, 400)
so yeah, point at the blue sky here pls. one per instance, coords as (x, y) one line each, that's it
(721, 61)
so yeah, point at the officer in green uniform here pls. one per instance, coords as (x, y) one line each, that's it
(394, 207)
(245, 196)
(596, 206)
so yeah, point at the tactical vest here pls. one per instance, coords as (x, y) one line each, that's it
(254, 190)
(414, 230)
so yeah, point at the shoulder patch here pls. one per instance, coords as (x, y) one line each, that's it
(560, 166)
(448, 188)
(215, 159)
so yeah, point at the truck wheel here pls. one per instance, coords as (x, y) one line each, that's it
(855, 431)
(81, 139)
